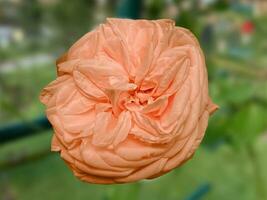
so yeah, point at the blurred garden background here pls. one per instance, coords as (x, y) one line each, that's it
(231, 162)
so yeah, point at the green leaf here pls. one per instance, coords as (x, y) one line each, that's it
(248, 123)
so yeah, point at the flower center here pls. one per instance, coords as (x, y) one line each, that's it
(135, 98)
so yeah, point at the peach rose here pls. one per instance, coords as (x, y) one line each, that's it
(130, 101)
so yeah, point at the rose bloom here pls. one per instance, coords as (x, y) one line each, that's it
(130, 101)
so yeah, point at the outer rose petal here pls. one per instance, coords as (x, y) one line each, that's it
(130, 101)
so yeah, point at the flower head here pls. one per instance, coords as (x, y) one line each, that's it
(130, 101)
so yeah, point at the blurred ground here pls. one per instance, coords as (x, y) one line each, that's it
(230, 173)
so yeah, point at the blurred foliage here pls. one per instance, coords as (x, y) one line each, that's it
(70, 24)
(235, 141)
(20, 89)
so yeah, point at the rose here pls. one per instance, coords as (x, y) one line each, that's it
(130, 101)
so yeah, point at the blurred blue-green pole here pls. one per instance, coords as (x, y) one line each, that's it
(200, 192)
(129, 9)
(22, 129)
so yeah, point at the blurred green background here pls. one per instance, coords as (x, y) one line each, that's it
(231, 162)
